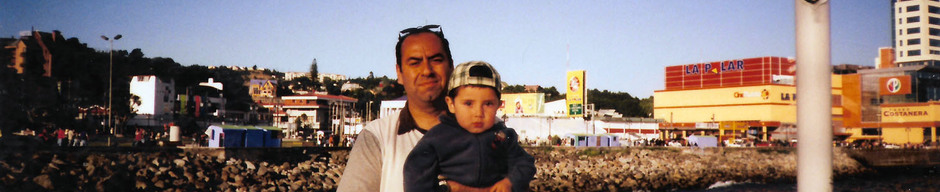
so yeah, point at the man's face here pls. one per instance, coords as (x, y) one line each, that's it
(424, 68)
(475, 108)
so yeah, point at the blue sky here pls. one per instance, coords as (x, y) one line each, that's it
(623, 45)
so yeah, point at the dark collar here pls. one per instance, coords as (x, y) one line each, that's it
(406, 122)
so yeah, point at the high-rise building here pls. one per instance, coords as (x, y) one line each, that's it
(916, 32)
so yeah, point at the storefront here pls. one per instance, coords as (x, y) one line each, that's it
(895, 105)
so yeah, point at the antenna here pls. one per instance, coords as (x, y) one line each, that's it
(568, 56)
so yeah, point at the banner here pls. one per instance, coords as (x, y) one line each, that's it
(522, 103)
(574, 97)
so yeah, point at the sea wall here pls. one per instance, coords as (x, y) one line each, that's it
(315, 169)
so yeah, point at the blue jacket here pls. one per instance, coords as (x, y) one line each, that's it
(476, 160)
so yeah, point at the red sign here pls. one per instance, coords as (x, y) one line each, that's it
(737, 72)
(895, 85)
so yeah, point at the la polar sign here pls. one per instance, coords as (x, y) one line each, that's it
(707, 67)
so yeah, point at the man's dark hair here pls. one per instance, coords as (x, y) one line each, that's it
(422, 29)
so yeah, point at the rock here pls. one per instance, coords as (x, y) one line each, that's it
(44, 182)
(249, 165)
(179, 162)
(140, 185)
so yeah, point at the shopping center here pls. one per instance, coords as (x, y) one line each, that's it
(754, 98)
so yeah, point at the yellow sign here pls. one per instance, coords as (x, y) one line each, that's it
(908, 114)
(522, 103)
(575, 93)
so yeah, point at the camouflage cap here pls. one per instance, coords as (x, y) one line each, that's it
(474, 73)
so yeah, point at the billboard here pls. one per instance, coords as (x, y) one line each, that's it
(575, 93)
(522, 103)
(895, 85)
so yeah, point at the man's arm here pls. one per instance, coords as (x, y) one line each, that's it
(364, 167)
(521, 164)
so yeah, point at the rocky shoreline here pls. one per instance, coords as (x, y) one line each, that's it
(559, 169)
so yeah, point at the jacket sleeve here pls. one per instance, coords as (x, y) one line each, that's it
(521, 164)
(364, 169)
(421, 168)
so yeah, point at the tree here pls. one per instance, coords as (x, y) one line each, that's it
(314, 75)
(514, 89)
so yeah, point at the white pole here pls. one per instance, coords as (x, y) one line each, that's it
(813, 85)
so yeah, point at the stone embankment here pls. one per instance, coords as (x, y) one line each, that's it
(559, 169)
(628, 169)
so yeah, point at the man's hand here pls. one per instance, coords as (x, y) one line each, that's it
(500, 186)
(457, 187)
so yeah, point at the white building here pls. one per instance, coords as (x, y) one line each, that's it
(322, 112)
(391, 106)
(157, 98)
(917, 32)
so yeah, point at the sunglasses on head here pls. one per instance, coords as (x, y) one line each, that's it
(426, 28)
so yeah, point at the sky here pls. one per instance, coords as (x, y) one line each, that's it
(624, 46)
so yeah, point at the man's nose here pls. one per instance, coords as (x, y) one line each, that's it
(426, 68)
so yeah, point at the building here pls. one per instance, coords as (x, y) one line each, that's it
(31, 41)
(731, 99)
(388, 107)
(262, 89)
(916, 32)
(327, 113)
(157, 99)
(292, 75)
(335, 77)
(899, 105)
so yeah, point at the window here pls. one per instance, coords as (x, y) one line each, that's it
(933, 20)
(900, 32)
(913, 8)
(934, 43)
(914, 30)
(934, 10)
(914, 19)
(913, 53)
(934, 32)
(871, 131)
(913, 42)
(901, 43)
(934, 52)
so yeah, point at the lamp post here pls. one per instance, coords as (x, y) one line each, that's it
(110, 74)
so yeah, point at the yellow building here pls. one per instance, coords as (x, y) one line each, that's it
(753, 97)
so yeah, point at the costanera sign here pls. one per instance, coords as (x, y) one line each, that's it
(907, 114)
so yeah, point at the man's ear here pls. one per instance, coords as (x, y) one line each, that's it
(398, 73)
(450, 104)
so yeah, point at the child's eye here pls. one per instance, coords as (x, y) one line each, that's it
(467, 103)
(489, 103)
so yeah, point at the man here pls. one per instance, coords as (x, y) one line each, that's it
(424, 64)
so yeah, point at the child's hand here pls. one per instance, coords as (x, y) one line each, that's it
(502, 186)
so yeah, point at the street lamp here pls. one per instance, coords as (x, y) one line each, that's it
(110, 74)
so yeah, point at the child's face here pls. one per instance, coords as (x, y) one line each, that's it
(475, 107)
